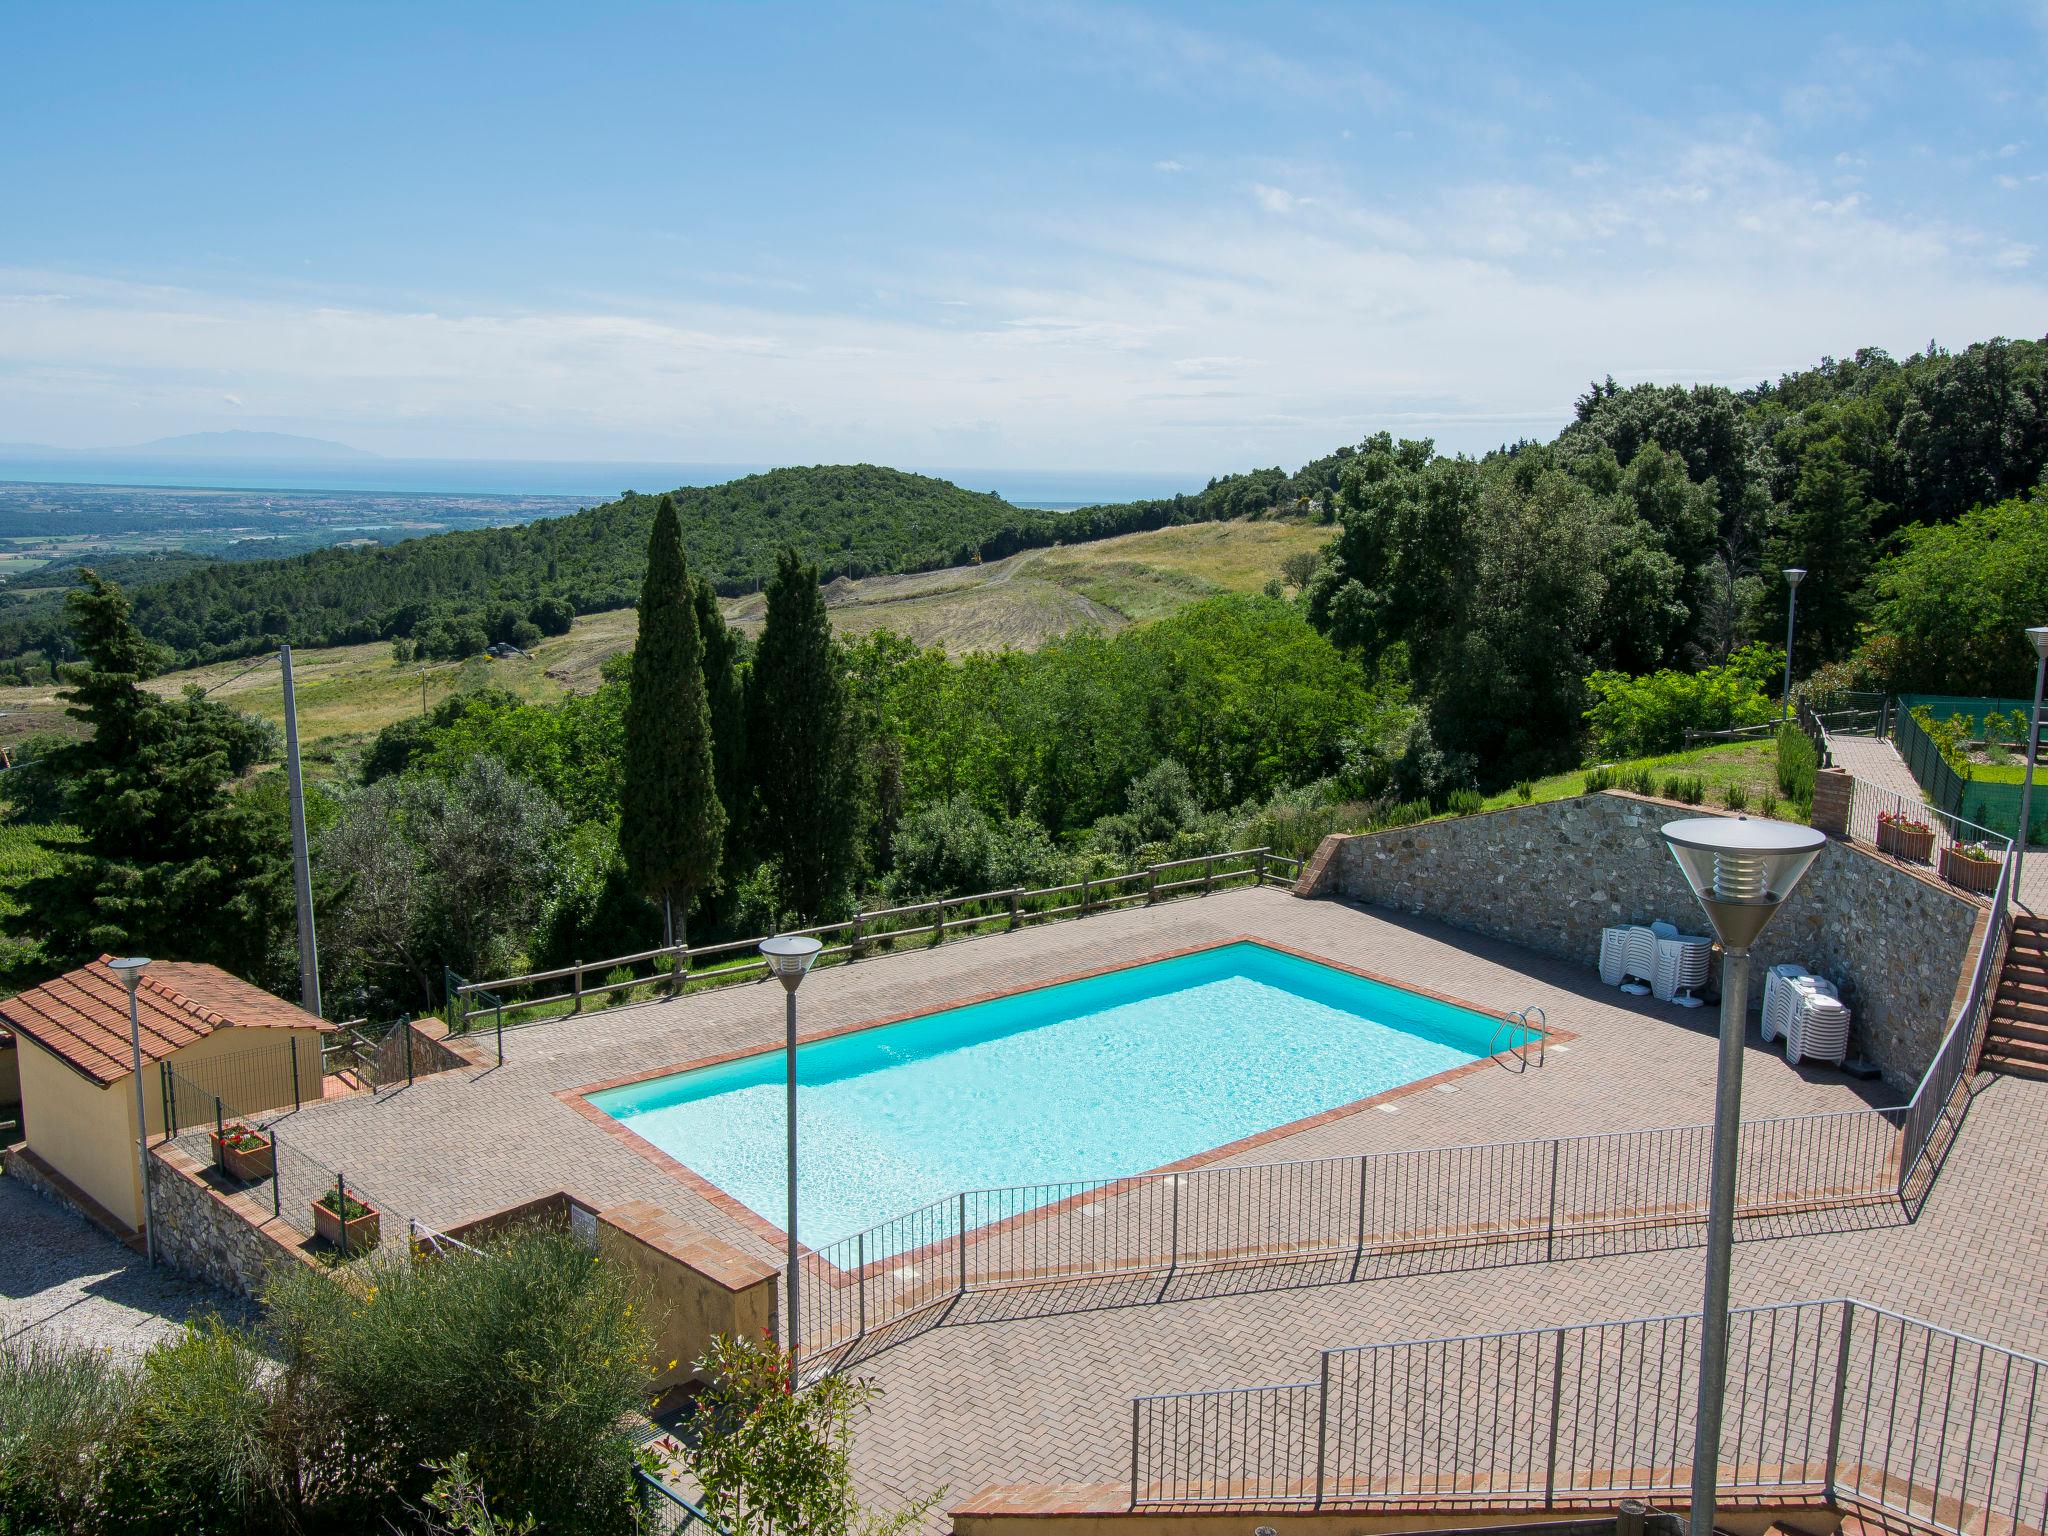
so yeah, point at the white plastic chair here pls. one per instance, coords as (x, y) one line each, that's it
(1817, 1028)
(1682, 965)
(1778, 997)
(1613, 956)
(1641, 961)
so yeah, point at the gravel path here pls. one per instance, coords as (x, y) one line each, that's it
(62, 1276)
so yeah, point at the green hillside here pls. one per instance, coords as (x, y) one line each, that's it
(452, 592)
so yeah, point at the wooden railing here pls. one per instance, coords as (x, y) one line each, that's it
(508, 1002)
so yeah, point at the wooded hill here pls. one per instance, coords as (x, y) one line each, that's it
(453, 592)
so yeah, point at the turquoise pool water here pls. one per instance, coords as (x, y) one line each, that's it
(1111, 1075)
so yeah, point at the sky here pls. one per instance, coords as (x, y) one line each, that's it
(1185, 238)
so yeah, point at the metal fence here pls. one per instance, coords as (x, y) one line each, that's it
(1375, 1215)
(1871, 800)
(283, 1175)
(1836, 1398)
(666, 1511)
(512, 1001)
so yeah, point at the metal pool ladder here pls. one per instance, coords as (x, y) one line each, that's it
(1522, 1031)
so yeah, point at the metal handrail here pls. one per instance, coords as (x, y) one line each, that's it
(668, 1511)
(1864, 1406)
(1518, 1021)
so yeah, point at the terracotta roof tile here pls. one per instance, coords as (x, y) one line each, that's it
(82, 1016)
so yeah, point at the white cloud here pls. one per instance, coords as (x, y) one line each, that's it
(1203, 335)
(1168, 166)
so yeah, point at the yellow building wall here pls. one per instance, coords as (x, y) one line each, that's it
(87, 1133)
(84, 1131)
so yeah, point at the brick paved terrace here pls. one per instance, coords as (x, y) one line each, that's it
(1035, 1385)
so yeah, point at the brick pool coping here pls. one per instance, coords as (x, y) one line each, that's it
(578, 1100)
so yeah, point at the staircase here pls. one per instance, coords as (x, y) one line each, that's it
(2016, 1039)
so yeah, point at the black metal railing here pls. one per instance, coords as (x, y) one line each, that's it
(1372, 1215)
(1838, 1398)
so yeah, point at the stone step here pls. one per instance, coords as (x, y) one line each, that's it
(2021, 1003)
(2028, 1042)
(2013, 1067)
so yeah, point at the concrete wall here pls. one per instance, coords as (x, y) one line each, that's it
(87, 1132)
(1551, 876)
(699, 1286)
(84, 1131)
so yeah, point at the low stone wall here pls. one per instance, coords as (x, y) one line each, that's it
(217, 1234)
(1551, 876)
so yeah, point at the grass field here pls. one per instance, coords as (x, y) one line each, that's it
(345, 693)
(1750, 767)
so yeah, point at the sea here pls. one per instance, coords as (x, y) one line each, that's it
(594, 481)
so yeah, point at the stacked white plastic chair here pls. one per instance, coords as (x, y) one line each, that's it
(1613, 956)
(1818, 1024)
(1778, 997)
(1683, 961)
(1641, 961)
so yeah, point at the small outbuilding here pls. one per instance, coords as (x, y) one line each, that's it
(199, 1022)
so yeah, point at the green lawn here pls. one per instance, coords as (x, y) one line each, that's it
(1751, 765)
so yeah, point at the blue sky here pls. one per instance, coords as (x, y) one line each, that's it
(1060, 235)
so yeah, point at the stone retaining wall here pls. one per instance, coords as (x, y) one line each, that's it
(217, 1234)
(1551, 876)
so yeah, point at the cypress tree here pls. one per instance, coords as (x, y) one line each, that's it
(725, 696)
(671, 825)
(798, 741)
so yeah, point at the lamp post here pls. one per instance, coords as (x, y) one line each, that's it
(130, 972)
(1741, 870)
(1793, 576)
(2019, 848)
(789, 959)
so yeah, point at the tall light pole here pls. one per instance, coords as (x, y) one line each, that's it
(302, 869)
(789, 958)
(130, 972)
(1741, 870)
(1793, 576)
(2019, 848)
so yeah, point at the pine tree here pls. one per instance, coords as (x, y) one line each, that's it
(798, 742)
(175, 863)
(671, 825)
(1825, 528)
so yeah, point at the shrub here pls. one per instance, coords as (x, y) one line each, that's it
(529, 1358)
(1735, 797)
(1767, 804)
(1797, 764)
(1637, 716)
(1598, 779)
(1687, 788)
(210, 1433)
(1407, 814)
(1465, 802)
(771, 1460)
(1639, 781)
(1525, 791)
(57, 1408)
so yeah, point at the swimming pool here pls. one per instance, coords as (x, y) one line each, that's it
(1108, 1075)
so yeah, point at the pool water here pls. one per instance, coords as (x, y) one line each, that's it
(1110, 1075)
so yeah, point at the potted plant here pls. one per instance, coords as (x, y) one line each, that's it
(244, 1153)
(1904, 837)
(1970, 865)
(344, 1221)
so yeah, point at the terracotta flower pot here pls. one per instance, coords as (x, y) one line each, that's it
(360, 1231)
(1906, 842)
(248, 1163)
(1970, 874)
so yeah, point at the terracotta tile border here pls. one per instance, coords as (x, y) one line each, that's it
(578, 1099)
